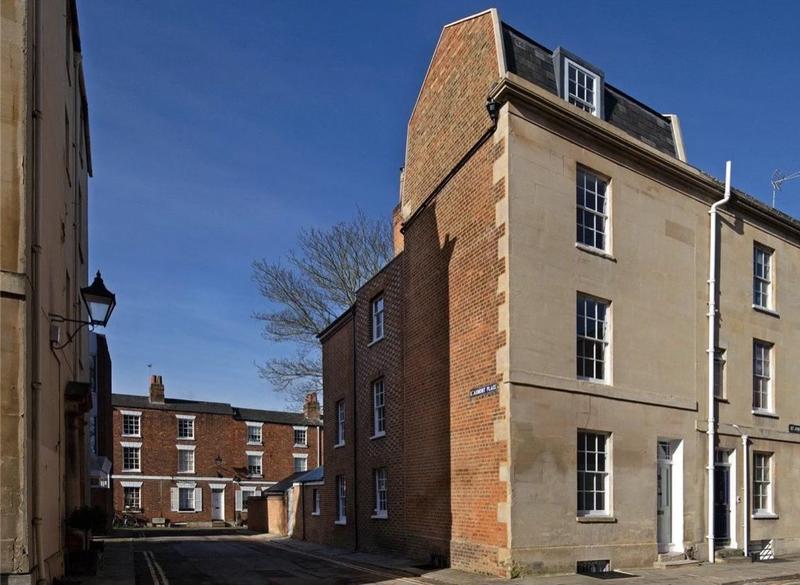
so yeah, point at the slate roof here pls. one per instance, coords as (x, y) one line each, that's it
(317, 474)
(534, 62)
(200, 407)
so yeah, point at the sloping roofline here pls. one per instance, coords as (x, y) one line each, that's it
(219, 408)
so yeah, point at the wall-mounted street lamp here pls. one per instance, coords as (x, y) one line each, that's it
(100, 303)
(218, 462)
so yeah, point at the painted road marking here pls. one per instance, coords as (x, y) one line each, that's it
(361, 568)
(156, 572)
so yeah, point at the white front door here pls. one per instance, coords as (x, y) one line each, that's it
(664, 495)
(217, 504)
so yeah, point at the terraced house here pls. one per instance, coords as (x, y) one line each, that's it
(528, 386)
(196, 463)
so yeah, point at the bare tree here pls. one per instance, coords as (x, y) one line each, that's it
(312, 286)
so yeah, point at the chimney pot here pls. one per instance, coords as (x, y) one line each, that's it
(311, 406)
(156, 390)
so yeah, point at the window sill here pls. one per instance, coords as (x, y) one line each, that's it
(374, 341)
(340, 522)
(597, 381)
(299, 446)
(131, 471)
(722, 399)
(596, 519)
(184, 439)
(338, 445)
(383, 516)
(186, 472)
(124, 436)
(764, 413)
(255, 476)
(594, 251)
(187, 511)
(315, 513)
(765, 516)
(255, 444)
(767, 311)
(377, 435)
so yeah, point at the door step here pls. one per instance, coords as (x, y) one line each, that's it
(218, 524)
(676, 563)
(731, 555)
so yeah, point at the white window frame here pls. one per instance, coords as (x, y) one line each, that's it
(252, 426)
(304, 430)
(601, 190)
(186, 449)
(588, 465)
(582, 103)
(138, 447)
(246, 492)
(137, 414)
(763, 351)
(767, 484)
(377, 317)
(137, 485)
(601, 340)
(340, 422)
(381, 479)
(378, 408)
(341, 500)
(260, 455)
(302, 457)
(315, 497)
(193, 499)
(182, 419)
(763, 279)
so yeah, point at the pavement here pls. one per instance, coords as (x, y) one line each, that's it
(241, 557)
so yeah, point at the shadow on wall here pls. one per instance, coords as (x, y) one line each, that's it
(426, 409)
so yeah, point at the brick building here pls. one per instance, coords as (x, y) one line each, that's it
(526, 386)
(197, 462)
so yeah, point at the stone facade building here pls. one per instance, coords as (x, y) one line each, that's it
(525, 387)
(44, 391)
(191, 462)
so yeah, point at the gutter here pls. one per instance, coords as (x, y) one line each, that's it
(713, 268)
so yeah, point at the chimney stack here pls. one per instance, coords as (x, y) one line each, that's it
(156, 390)
(311, 406)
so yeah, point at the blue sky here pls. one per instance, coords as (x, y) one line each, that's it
(219, 129)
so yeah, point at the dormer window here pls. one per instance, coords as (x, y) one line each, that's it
(581, 87)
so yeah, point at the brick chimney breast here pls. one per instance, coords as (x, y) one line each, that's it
(311, 406)
(156, 390)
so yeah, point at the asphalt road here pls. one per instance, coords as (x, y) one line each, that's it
(205, 561)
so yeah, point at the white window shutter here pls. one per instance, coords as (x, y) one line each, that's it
(198, 499)
(174, 496)
(238, 500)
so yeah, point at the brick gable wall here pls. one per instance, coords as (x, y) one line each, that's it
(455, 497)
(443, 298)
